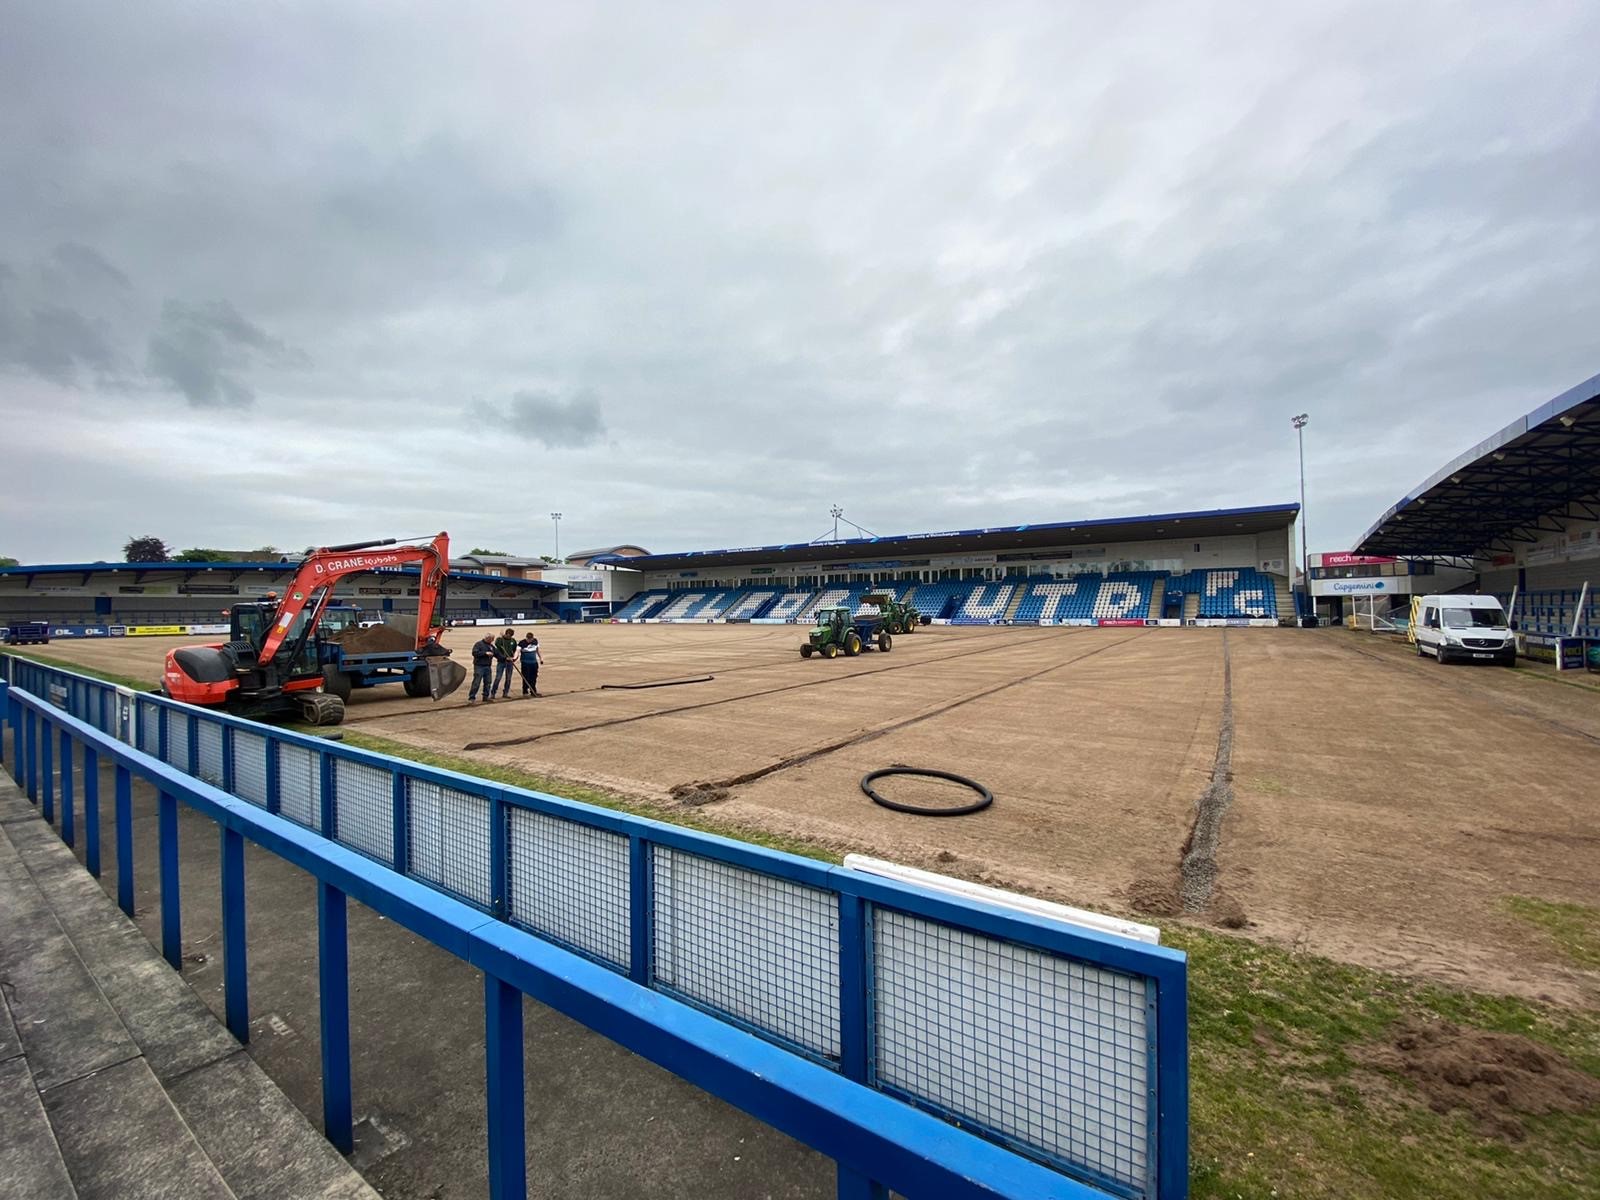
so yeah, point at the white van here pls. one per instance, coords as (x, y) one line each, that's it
(1465, 627)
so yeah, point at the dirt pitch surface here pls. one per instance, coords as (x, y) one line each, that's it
(1322, 789)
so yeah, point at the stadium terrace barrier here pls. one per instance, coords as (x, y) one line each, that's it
(928, 1043)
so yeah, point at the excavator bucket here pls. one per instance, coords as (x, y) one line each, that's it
(444, 676)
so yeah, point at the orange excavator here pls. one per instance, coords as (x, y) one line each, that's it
(271, 665)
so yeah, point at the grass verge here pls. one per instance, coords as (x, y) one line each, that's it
(1574, 928)
(688, 818)
(44, 660)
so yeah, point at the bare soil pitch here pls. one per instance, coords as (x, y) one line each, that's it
(1380, 808)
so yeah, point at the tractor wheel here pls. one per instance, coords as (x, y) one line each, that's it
(852, 644)
(336, 683)
(831, 650)
(910, 625)
(805, 651)
(322, 710)
(416, 684)
(885, 641)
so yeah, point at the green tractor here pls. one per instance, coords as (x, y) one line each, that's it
(839, 630)
(897, 617)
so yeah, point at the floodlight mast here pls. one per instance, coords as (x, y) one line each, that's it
(1305, 558)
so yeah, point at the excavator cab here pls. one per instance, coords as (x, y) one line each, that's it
(252, 622)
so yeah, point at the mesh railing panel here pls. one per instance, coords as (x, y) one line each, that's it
(448, 834)
(149, 728)
(1046, 1050)
(570, 882)
(178, 740)
(760, 948)
(363, 809)
(208, 752)
(250, 767)
(300, 784)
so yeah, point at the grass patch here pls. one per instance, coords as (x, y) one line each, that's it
(1282, 1107)
(1574, 928)
(127, 681)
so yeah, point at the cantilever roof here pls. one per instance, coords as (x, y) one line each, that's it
(1209, 523)
(1503, 487)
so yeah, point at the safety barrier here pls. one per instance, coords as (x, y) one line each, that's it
(927, 1043)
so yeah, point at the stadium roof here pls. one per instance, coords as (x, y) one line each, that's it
(1211, 523)
(237, 568)
(1505, 486)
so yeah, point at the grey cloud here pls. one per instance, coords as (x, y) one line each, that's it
(201, 350)
(1043, 262)
(561, 423)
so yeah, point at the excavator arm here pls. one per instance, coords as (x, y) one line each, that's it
(314, 581)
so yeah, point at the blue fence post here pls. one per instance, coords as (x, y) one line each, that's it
(31, 740)
(235, 977)
(5, 718)
(69, 830)
(333, 978)
(639, 910)
(401, 825)
(226, 734)
(854, 1042)
(91, 810)
(508, 1151)
(499, 898)
(274, 786)
(123, 801)
(47, 771)
(171, 909)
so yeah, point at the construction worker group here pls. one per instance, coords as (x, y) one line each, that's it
(495, 659)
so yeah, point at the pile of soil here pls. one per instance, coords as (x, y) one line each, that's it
(1493, 1077)
(693, 795)
(380, 639)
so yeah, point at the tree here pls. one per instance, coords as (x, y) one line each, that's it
(145, 549)
(8, 562)
(491, 553)
(550, 558)
(199, 554)
(262, 553)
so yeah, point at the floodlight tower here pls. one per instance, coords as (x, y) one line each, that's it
(1305, 558)
(556, 517)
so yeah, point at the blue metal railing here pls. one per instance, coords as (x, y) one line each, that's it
(927, 1043)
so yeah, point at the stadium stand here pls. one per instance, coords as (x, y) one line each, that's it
(645, 604)
(1550, 612)
(936, 600)
(985, 603)
(789, 604)
(1229, 592)
(1125, 596)
(745, 603)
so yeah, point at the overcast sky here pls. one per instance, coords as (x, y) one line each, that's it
(297, 273)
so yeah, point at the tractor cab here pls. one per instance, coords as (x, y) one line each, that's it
(839, 631)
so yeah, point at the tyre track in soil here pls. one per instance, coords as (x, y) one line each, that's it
(600, 687)
(1459, 689)
(869, 735)
(791, 687)
(1198, 871)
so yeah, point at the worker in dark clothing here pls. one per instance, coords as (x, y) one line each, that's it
(505, 659)
(529, 659)
(483, 657)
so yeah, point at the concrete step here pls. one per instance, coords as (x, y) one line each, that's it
(30, 1159)
(228, 1130)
